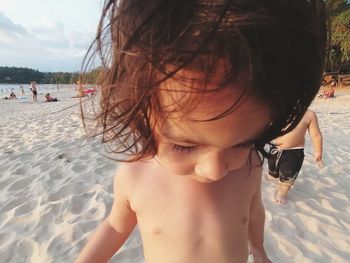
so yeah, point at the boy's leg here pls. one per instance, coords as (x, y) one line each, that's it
(272, 164)
(290, 165)
(282, 189)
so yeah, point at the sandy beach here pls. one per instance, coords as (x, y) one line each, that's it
(56, 187)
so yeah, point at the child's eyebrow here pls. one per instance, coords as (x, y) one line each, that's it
(172, 137)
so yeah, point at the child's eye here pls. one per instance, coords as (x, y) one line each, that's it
(181, 148)
(245, 145)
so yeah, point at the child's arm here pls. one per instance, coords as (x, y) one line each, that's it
(114, 230)
(316, 139)
(257, 223)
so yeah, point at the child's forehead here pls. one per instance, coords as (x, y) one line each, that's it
(210, 89)
(226, 107)
(242, 125)
(202, 103)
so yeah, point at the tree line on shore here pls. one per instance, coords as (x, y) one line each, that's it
(20, 75)
(337, 57)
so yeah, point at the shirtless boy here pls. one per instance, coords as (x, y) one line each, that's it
(287, 154)
(189, 94)
(34, 91)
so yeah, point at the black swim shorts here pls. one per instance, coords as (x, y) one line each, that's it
(285, 164)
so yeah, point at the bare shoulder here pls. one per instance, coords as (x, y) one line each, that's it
(128, 174)
(130, 169)
(310, 115)
(311, 118)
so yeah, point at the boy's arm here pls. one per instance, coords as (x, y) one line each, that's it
(114, 230)
(257, 223)
(316, 139)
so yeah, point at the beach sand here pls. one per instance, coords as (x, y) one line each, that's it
(56, 187)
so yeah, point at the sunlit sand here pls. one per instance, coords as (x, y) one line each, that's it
(56, 187)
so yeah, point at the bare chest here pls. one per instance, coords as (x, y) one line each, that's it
(199, 218)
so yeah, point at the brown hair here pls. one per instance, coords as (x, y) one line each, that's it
(142, 43)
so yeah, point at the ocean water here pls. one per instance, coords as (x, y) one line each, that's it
(6, 89)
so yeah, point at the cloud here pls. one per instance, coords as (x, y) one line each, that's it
(7, 25)
(9, 31)
(48, 47)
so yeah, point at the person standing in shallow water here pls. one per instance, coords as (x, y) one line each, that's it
(287, 154)
(34, 91)
(22, 90)
(191, 93)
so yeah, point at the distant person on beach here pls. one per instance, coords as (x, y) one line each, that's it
(287, 154)
(193, 92)
(80, 87)
(12, 96)
(49, 98)
(22, 90)
(34, 91)
(89, 92)
(328, 93)
(335, 80)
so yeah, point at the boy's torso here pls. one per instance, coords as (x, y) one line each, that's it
(182, 220)
(296, 137)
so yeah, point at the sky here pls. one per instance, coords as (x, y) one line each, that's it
(47, 35)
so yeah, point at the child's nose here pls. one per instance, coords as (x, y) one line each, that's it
(212, 166)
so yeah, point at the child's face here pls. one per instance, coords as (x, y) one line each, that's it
(209, 150)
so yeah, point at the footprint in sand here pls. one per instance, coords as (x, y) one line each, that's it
(26, 208)
(12, 204)
(105, 168)
(79, 168)
(43, 232)
(58, 246)
(64, 156)
(24, 251)
(20, 171)
(9, 152)
(57, 172)
(60, 194)
(20, 184)
(6, 183)
(77, 205)
(25, 156)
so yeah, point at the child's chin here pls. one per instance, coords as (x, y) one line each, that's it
(203, 180)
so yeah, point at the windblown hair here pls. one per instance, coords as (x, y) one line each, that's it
(143, 43)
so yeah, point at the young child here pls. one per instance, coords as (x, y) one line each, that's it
(328, 93)
(287, 154)
(49, 98)
(34, 90)
(191, 92)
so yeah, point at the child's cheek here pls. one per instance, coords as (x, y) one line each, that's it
(175, 163)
